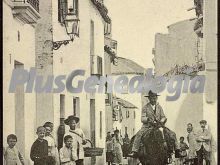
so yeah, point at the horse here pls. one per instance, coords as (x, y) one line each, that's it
(157, 147)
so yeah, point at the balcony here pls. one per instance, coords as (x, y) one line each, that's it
(27, 11)
(186, 70)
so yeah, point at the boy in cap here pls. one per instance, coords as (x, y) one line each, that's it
(39, 149)
(78, 138)
(203, 146)
(12, 155)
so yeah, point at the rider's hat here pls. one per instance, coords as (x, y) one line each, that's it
(70, 118)
(150, 94)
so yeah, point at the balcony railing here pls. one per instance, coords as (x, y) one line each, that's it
(33, 3)
(26, 11)
(190, 70)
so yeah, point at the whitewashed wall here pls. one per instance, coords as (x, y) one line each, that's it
(14, 50)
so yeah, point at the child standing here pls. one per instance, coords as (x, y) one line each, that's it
(109, 149)
(67, 153)
(117, 150)
(39, 149)
(12, 155)
(183, 153)
(52, 147)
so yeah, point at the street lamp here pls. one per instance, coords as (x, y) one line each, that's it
(71, 23)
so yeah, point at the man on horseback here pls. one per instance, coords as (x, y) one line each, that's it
(152, 116)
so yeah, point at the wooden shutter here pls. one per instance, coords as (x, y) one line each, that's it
(62, 10)
(99, 63)
(76, 7)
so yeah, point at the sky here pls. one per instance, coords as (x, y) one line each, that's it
(135, 23)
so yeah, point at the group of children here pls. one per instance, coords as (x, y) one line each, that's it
(43, 150)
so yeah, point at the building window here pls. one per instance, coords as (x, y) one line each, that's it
(62, 10)
(62, 106)
(115, 115)
(99, 65)
(107, 28)
(126, 130)
(92, 46)
(76, 109)
(127, 114)
(134, 115)
(19, 36)
(63, 7)
(108, 99)
(100, 124)
(76, 7)
(19, 103)
(74, 106)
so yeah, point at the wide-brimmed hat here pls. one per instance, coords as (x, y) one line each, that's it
(203, 121)
(150, 94)
(70, 118)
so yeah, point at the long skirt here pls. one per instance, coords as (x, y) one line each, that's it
(109, 157)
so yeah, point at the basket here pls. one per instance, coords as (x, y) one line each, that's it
(92, 151)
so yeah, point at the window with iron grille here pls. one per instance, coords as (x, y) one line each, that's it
(63, 7)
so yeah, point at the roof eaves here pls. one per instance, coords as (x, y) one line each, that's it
(102, 10)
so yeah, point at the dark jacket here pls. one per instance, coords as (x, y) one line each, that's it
(39, 152)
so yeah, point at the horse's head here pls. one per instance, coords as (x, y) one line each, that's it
(156, 146)
(153, 136)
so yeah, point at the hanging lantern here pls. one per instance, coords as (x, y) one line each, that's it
(71, 24)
